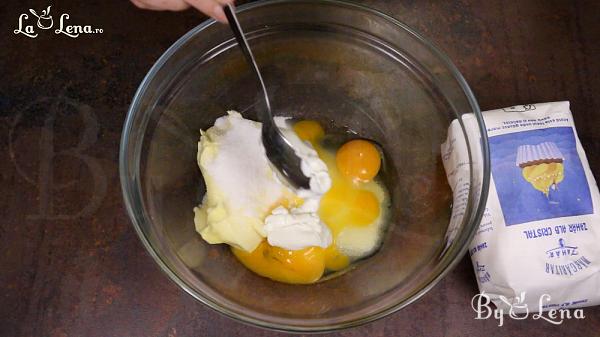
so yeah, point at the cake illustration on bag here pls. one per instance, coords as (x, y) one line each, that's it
(542, 165)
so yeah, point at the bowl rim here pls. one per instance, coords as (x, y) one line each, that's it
(128, 187)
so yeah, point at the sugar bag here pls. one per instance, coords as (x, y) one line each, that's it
(538, 244)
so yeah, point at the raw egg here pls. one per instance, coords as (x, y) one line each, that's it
(309, 130)
(344, 205)
(334, 259)
(290, 266)
(359, 160)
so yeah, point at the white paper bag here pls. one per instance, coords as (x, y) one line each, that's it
(540, 234)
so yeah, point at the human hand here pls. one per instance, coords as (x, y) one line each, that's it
(212, 8)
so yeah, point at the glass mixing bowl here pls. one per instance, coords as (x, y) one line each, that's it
(341, 64)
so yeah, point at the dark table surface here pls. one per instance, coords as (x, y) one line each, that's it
(71, 264)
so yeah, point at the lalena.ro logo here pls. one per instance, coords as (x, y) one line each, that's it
(31, 25)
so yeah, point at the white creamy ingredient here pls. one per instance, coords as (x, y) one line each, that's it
(296, 229)
(242, 187)
(301, 227)
(311, 165)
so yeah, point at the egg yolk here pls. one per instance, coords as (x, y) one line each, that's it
(359, 160)
(344, 205)
(309, 130)
(290, 266)
(334, 259)
(348, 202)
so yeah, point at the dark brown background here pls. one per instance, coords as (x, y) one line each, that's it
(71, 264)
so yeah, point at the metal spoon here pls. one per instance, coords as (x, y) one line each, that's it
(279, 150)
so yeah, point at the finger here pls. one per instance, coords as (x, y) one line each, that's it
(175, 5)
(219, 14)
(171, 5)
(139, 4)
(209, 7)
(225, 2)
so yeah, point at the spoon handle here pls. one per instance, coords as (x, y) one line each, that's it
(278, 149)
(243, 43)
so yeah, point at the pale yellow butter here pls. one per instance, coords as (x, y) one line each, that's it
(241, 187)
